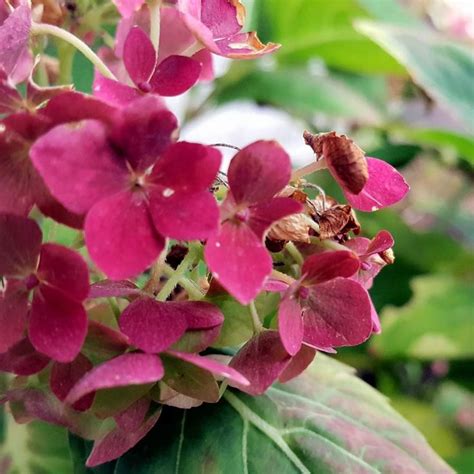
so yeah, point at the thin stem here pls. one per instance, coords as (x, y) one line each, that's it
(282, 277)
(66, 54)
(193, 49)
(155, 21)
(114, 307)
(295, 253)
(327, 244)
(153, 283)
(308, 169)
(257, 324)
(190, 286)
(311, 223)
(44, 29)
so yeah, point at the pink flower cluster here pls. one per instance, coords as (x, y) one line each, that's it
(128, 311)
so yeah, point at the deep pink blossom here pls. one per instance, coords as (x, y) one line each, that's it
(237, 255)
(134, 187)
(172, 76)
(58, 279)
(325, 308)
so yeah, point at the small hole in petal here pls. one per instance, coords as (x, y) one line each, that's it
(218, 244)
(168, 192)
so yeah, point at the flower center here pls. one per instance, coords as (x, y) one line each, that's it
(31, 281)
(144, 86)
(303, 292)
(243, 215)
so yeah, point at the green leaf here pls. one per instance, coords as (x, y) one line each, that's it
(325, 421)
(80, 449)
(435, 324)
(443, 68)
(297, 90)
(35, 448)
(318, 28)
(463, 462)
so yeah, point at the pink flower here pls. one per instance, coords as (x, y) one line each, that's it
(237, 255)
(135, 187)
(325, 308)
(169, 77)
(58, 279)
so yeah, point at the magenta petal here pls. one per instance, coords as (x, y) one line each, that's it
(139, 56)
(65, 376)
(263, 215)
(212, 366)
(128, 369)
(78, 165)
(222, 17)
(381, 242)
(238, 260)
(258, 172)
(204, 57)
(65, 270)
(151, 325)
(119, 441)
(13, 312)
(51, 207)
(131, 418)
(114, 289)
(175, 75)
(120, 236)
(376, 326)
(337, 313)
(261, 361)
(199, 314)
(298, 363)
(14, 38)
(58, 324)
(322, 267)
(23, 359)
(290, 320)
(20, 241)
(114, 92)
(176, 216)
(385, 186)
(10, 98)
(145, 129)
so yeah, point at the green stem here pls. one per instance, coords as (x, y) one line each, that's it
(282, 277)
(41, 75)
(295, 253)
(44, 29)
(66, 54)
(153, 283)
(155, 20)
(257, 324)
(327, 244)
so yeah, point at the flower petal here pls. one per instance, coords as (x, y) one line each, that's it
(385, 186)
(20, 242)
(139, 55)
(114, 289)
(13, 313)
(23, 359)
(128, 7)
(211, 365)
(131, 418)
(120, 236)
(199, 314)
(65, 270)
(58, 324)
(263, 215)
(325, 266)
(258, 172)
(381, 242)
(151, 325)
(244, 46)
(238, 260)
(114, 92)
(78, 165)
(128, 369)
(298, 363)
(290, 320)
(10, 98)
(337, 313)
(223, 18)
(175, 75)
(261, 361)
(65, 376)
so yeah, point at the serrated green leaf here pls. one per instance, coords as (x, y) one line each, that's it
(325, 421)
(435, 324)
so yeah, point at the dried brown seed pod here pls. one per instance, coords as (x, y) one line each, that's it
(345, 160)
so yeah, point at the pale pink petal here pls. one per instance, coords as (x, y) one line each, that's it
(139, 56)
(298, 364)
(128, 369)
(290, 320)
(376, 326)
(128, 7)
(325, 266)
(261, 361)
(58, 324)
(175, 75)
(23, 359)
(337, 313)
(65, 270)
(114, 92)
(385, 186)
(120, 236)
(65, 376)
(263, 215)
(152, 326)
(13, 312)
(78, 165)
(244, 46)
(212, 366)
(238, 260)
(20, 241)
(258, 172)
(175, 36)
